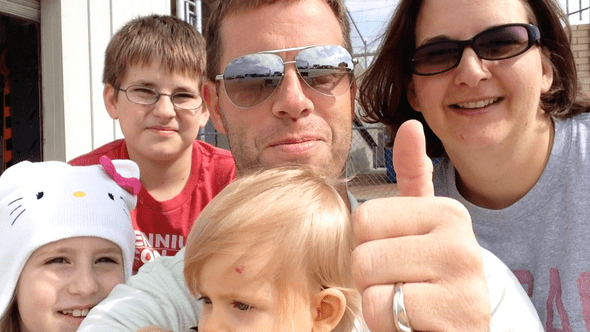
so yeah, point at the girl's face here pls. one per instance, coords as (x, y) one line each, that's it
(479, 104)
(63, 280)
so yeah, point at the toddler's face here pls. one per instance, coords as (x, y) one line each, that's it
(237, 297)
(63, 280)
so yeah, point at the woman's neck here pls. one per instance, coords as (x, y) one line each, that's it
(497, 178)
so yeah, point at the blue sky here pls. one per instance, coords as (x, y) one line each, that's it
(371, 17)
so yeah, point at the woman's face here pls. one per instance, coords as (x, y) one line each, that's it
(480, 104)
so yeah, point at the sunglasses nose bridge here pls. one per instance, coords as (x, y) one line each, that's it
(285, 63)
(463, 44)
(285, 79)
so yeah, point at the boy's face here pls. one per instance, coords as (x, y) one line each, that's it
(236, 297)
(63, 280)
(158, 132)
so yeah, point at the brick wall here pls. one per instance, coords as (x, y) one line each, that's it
(581, 49)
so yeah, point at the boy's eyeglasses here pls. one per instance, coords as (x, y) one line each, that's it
(143, 95)
(497, 43)
(251, 79)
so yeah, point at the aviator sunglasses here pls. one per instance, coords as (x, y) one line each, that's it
(251, 79)
(497, 43)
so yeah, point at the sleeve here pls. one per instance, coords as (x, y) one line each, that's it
(156, 295)
(512, 310)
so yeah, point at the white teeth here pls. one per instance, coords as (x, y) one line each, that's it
(76, 312)
(478, 104)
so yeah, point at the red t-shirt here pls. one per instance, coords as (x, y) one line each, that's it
(161, 228)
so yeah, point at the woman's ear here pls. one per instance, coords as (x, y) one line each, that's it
(330, 307)
(547, 66)
(412, 98)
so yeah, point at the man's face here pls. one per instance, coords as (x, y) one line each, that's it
(295, 124)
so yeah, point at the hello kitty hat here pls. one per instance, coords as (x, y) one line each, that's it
(49, 201)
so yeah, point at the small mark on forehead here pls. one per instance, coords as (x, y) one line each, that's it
(240, 269)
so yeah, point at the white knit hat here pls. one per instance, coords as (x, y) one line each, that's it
(49, 201)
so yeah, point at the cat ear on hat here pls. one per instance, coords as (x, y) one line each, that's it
(13, 176)
(124, 172)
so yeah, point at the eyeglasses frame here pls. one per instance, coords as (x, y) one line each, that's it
(159, 94)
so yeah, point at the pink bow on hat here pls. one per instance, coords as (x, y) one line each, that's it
(132, 185)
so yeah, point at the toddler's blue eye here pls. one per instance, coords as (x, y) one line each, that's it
(39, 195)
(111, 196)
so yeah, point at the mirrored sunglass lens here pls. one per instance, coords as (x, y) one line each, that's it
(327, 69)
(251, 79)
(503, 42)
(436, 57)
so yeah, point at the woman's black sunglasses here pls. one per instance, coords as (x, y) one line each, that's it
(497, 43)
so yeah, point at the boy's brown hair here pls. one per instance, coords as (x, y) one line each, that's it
(178, 46)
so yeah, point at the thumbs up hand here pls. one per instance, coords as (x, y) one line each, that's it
(427, 243)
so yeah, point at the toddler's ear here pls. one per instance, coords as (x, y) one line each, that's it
(330, 307)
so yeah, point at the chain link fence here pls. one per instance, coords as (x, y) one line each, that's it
(369, 166)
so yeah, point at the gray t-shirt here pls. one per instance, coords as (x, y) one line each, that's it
(545, 236)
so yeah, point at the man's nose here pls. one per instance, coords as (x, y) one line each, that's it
(292, 98)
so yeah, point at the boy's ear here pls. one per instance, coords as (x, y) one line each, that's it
(110, 102)
(204, 116)
(211, 98)
(330, 307)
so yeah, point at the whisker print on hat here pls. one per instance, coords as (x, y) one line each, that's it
(18, 207)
